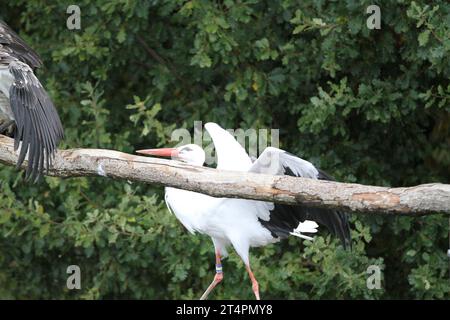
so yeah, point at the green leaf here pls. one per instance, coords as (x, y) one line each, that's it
(424, 37)
(121, 36)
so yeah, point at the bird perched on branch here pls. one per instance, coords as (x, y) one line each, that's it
(26, 110)
(247, 223)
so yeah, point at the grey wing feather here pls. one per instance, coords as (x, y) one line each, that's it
(16, 47)
(38, 126)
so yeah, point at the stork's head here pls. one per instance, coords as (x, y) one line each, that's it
(189, 153)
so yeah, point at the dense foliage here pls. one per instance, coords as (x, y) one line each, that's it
(368, 106)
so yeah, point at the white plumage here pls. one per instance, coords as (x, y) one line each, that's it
(227, 221)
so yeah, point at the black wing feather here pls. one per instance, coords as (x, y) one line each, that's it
(284, 218)
(38, 125)
(17, 47)
(38, 128)
(337, 221)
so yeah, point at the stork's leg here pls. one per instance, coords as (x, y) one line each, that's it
(217, 278)
(255, 285)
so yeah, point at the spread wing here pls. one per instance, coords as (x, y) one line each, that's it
(283, 218)
(38, 127)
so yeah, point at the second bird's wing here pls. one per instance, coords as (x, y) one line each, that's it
(11, 43)
(38, 126)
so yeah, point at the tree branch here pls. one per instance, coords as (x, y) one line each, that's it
(419, 200)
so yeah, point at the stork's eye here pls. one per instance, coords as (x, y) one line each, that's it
(187, 149)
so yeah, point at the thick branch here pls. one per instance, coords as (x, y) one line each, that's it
(418, 200)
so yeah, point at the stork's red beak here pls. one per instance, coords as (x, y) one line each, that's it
(163, 152)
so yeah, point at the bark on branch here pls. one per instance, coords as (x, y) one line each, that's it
(417, 200)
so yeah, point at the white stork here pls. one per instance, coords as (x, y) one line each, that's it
(246, 223)
(26, 110)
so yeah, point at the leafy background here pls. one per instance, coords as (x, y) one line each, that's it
(368, 106)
